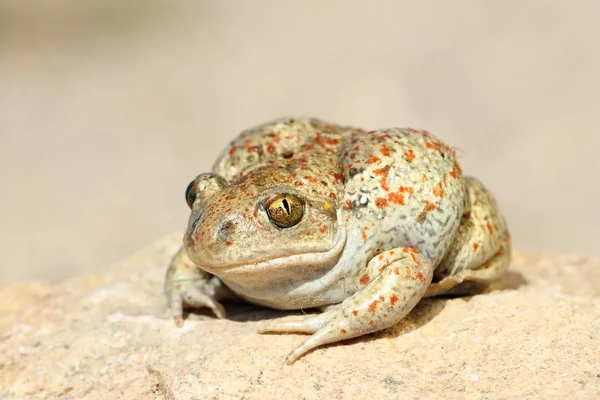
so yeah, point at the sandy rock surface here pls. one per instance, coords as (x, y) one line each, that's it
(535, 334)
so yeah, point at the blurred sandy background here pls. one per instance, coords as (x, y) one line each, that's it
(109, 108)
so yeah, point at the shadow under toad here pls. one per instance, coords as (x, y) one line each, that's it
(241, 311)
(424, 312)
(511, 280)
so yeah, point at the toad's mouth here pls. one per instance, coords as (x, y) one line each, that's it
(312, 259)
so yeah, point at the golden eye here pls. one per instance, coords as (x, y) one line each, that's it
(285, 210)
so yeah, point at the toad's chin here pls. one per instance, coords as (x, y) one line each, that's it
(301, 263)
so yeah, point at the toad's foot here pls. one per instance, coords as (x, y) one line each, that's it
(188, 285)
(394, 283)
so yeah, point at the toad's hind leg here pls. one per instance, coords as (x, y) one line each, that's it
(188, 285)
(481, 250)
(471, 281)
(394, 282)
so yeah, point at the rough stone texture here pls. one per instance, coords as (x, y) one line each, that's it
(535, 334)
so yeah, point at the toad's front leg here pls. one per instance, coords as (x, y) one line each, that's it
(394, 283)
(188, 285)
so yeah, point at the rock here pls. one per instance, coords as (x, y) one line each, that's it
(535, 334)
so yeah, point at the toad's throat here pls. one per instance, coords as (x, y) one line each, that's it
(315, 259)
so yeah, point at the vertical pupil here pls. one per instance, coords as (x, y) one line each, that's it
(286, 205)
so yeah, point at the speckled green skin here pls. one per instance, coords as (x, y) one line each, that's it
(386, 213)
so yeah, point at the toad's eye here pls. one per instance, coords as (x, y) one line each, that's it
(285, 210)
(190, 193)
(204, 186)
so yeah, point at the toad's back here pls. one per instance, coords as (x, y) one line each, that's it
(307, 147)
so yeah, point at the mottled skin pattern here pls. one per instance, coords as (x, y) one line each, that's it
(388, 219)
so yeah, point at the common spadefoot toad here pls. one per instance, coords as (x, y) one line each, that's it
(299, 213)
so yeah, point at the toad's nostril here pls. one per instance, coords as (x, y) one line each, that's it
(225, 228)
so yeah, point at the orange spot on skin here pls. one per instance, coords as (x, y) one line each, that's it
(332, 196)
(254, 149)
(408, 271)
(407, 189)
(393, 299)
(424, 178)
(410, 155)
(438, 191)
(489, 226)
(323, 229)
(364, 279)
(270, 148)
(232, 150)
(371, 322)
(383, 266)
(318, 139)
(384, 150)
(383, 172)
(421, 277)
(392, 253)
(433, 145)
(307, 148)
(343, 331)
(457, 168)
(396, 271)
(364, 236)
(429, 206)
(347, 205)
(413, 254)
(355, 313)
(339, 178)
(475, 246)
(380, 202)
(396, 198)
(373, 306)
(373, 160)
(228, 243)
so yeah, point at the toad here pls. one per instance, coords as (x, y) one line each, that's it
(299, 213)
